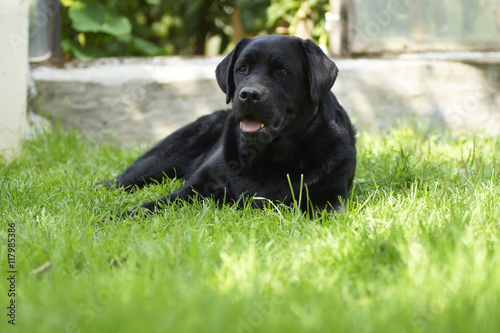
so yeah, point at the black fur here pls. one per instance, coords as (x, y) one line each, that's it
(283, 83)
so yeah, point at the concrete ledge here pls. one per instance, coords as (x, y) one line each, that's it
(143, 100)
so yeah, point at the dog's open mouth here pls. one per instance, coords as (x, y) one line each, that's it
(249, 124)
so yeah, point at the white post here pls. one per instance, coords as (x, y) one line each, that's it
(334, 27)
(13, 74)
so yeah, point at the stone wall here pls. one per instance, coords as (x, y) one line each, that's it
(143, 100)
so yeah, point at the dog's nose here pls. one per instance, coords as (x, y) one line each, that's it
(250, 94)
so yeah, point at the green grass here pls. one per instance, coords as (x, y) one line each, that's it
(417, 249)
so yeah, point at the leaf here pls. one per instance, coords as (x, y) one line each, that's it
(92, 16)
(153, 2)
(78, 51)
(146, 46)
(279, 10)
(67, 3)
(253, 15)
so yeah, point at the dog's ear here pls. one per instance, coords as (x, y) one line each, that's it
(321, 70)
(225, 70)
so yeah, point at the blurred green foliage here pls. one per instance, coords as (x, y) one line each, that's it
(290, 12)
(101, 28)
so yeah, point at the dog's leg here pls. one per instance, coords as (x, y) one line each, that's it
(175, 156)
(185, 193)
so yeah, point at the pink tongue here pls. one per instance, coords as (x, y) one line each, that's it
(250, 125)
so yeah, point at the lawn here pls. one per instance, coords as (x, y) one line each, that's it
(417, 249)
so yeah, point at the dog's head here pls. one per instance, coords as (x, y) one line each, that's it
(276, 84)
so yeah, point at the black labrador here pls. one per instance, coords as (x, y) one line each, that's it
(286, 134)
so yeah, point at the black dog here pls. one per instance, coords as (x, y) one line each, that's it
(286, 133)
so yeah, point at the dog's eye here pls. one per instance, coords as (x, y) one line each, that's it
(243, 69)
(283, 71)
